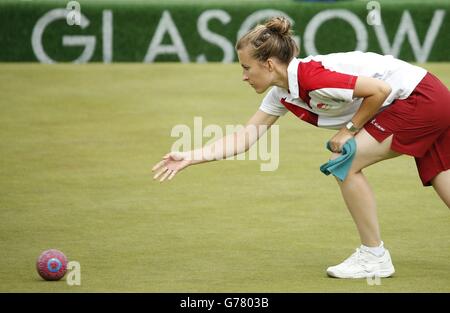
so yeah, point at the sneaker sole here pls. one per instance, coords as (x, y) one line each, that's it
(381, 274)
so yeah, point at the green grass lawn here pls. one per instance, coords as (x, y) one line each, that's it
(77, 146)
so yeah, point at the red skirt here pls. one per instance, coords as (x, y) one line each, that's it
(420, 125)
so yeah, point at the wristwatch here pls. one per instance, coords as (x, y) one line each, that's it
(351, 127)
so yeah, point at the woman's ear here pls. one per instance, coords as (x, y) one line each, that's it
(270, 64)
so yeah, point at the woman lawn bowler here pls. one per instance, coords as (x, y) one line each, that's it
(388, 106)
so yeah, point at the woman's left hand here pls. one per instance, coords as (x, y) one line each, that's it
(338, 140)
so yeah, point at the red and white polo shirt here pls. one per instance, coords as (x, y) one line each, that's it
(321, 87)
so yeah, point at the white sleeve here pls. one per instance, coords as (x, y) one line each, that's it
(271, 103)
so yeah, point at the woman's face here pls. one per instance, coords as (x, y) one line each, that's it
(255, 72)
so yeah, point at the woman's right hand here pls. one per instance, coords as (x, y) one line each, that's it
(172, 163)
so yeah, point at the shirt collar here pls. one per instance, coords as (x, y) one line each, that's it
(293, 77)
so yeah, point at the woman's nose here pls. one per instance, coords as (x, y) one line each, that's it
(244, 77)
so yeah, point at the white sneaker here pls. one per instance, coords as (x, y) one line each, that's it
(363, 264)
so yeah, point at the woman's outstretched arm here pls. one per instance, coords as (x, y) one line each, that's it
(227, 146)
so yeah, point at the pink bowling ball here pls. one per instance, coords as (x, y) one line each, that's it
(52, 265)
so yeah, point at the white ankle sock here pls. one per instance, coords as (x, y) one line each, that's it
(377, 251)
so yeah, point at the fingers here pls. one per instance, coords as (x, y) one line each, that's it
(161, 163)
(157, 166)
(166, 174)
(163, 170)
(335, 147)
(336, 150)
(161, 167)
(173, 174)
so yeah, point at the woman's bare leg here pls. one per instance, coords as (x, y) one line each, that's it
(356, 191)
(441, 184)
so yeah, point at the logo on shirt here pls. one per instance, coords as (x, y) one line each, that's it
(374, 123)
(323, 106)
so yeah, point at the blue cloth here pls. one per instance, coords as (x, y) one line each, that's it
(340, 166)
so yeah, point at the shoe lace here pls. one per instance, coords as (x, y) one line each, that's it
(355, 257)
